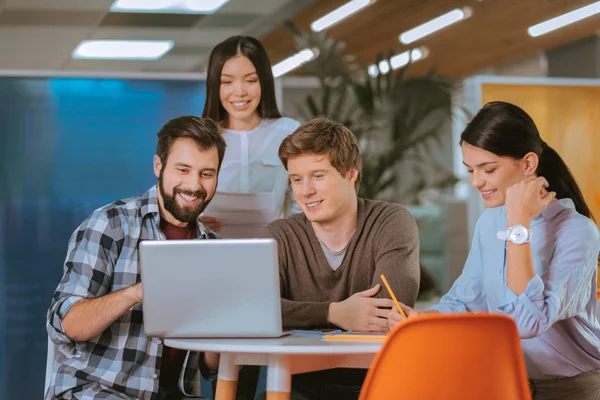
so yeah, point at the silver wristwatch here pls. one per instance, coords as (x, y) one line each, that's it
(517, 234)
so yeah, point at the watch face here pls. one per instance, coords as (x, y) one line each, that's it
(518, 235)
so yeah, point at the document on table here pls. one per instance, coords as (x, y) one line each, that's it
(244, 215)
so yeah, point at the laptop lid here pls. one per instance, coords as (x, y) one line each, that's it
(211, 288)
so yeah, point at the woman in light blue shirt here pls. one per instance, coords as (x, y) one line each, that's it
(534, 254)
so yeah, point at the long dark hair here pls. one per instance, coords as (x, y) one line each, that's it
(507, 130)
(252, 49)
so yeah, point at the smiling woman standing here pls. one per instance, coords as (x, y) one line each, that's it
(240, 96)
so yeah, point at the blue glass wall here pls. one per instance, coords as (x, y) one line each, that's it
(67, 146)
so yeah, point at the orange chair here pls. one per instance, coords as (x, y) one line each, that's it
(468, 356)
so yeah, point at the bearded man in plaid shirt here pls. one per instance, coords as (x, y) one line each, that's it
(95, 316)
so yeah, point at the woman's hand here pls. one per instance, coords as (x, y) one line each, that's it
(394, 317)
(213, 223)
(526, 199)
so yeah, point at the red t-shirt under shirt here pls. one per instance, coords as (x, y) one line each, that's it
(172, 359)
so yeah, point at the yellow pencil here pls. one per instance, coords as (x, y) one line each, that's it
(389, 289)
(356, 338)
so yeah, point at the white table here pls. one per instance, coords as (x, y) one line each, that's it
(284, 357)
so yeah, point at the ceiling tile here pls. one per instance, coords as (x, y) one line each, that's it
(90, 5)
(116, 19)
(107, 33)
(30, 39)
(254, 6)
(175, 62)
(190, 50)
(231, 20)
(32, 61)
(268, 22)
(107, 65)
(49, 18)
(206, 37)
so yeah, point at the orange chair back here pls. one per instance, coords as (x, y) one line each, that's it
(466, 356)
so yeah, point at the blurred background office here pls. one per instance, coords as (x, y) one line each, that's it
(85, 86)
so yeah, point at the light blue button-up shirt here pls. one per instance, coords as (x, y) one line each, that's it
(556, 315)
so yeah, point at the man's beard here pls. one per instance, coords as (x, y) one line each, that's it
(182, 214)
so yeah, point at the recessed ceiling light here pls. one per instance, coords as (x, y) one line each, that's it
(564, 20)
(384, 66)
(293, 62)
(340, 13)
(402, 59)
(168, 6)
(122, 49)
(397, 61)
(429, 27)
(373, 70)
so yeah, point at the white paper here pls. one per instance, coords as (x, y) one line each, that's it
(244, 215)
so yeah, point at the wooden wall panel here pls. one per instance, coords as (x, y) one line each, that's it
(568, 118)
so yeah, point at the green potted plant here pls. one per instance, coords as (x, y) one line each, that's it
(398, 119)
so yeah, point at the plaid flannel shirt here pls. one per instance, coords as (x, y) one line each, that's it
(102, 257)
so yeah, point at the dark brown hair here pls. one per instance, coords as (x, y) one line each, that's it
(324, 136)
(252, 49)
(507, 130)
(204, 131)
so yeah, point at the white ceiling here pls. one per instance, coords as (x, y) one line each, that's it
(41, 34)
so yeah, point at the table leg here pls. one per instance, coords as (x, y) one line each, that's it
(279, 378)
(228, 377)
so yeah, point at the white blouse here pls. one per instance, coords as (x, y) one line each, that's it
(251, 163)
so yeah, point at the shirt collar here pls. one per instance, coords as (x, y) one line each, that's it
(555, 208)
(149, 202)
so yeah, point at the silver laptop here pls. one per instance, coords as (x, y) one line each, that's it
(211, 288)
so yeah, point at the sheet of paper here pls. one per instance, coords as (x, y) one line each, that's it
(244, 215)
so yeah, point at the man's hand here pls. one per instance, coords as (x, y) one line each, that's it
(213, 223)
(394, 317)
(361, 312)
(526, 199)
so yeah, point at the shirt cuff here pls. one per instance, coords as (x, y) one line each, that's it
(67, 304)
(62, 310)
(305, 314)
(321, 311)
(534, 292)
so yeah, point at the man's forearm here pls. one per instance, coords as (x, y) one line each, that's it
(90, 317)
(304, 314)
